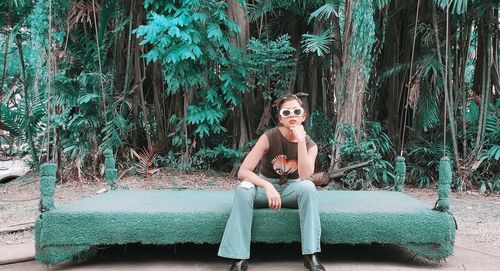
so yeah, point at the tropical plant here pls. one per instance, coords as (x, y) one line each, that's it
(372, 146)
(198, 77)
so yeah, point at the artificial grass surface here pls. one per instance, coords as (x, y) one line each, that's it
(199, 216)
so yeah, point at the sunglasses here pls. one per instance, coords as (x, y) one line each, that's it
(295, 112)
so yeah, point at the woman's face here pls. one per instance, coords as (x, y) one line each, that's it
(291, 114)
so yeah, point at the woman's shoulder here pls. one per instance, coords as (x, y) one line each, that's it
(271, 131)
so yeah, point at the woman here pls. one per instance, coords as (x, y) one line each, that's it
(286, 155)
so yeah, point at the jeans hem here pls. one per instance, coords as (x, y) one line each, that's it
(311, 252)
(232, 256)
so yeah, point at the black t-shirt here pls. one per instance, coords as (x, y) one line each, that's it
(281, 158)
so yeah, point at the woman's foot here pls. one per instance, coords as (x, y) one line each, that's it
(240, 265)
(311, 262)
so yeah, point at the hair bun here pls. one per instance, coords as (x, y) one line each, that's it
(297, 96)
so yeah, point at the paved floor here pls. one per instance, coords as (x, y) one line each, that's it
(264, 257)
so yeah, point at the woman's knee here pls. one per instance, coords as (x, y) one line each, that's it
(245, 191)
(307, 187)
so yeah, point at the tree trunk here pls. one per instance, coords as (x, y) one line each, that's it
(119, 60)
(6, 50)
(137, 78)
(237, 13)
(140, 90)
(313, 89)
(462, 53)
(485, 86)
(336, 66)
(186, 157)
(158, 101)
(28, 131)
(340, 78)
(448, 97)
(397, 48)
(129, 59)
(350, 86)
(4, 70)
(241, 125)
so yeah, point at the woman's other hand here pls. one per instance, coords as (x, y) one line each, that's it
(273, 197)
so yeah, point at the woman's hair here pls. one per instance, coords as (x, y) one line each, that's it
(289, 97)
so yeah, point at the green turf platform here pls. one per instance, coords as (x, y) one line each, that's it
(199, 216)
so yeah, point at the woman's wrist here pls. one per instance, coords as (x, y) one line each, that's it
(267, 184)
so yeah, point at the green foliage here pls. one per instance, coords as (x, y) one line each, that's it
(285, 10)
(454, 6)
(206, 119)
(22, 121)
(363, 36)
(321, 130)
(423, 159)
(271, 64)
(325, 12)
(380, 4)
(191, 40)
(429, 66)
(219, 157)
(395, 70)
(319, 44)
(427, 114)
(185, 38)
(487, 174)
(373, 145)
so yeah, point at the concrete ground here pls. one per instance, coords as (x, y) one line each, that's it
(264, 257)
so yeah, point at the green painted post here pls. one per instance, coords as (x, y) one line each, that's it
(444, 184)
(400, 174)
(110, 171)
(48, 180)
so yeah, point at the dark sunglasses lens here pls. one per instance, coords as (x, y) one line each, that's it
(286, 113)
(297, 111)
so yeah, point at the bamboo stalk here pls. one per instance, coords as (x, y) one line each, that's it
(449, 107)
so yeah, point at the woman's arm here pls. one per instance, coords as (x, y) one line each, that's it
(245, 173)
(306, 158)
(252, 160)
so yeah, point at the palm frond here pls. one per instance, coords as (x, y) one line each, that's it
(396, 69)
(426, 33)
(456, 6)
(319, 44)
(380, 4)
(114, 131)
(145, 158)
(427, 109)
(323, 13)
(429, 66)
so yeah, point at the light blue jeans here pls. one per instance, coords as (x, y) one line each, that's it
(301, 194)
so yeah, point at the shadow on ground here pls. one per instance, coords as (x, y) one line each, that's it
(262, 254)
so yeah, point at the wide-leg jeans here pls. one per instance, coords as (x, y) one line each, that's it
(295, 193)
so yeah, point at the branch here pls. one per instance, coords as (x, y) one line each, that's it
(337, 173)
(18, 227)
(323, 178)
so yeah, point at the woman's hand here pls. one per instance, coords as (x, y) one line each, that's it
(273, 197)
(298, 132)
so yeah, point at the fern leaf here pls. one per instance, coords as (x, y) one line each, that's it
(214, 32)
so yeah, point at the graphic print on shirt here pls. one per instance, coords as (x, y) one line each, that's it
(282, 166)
